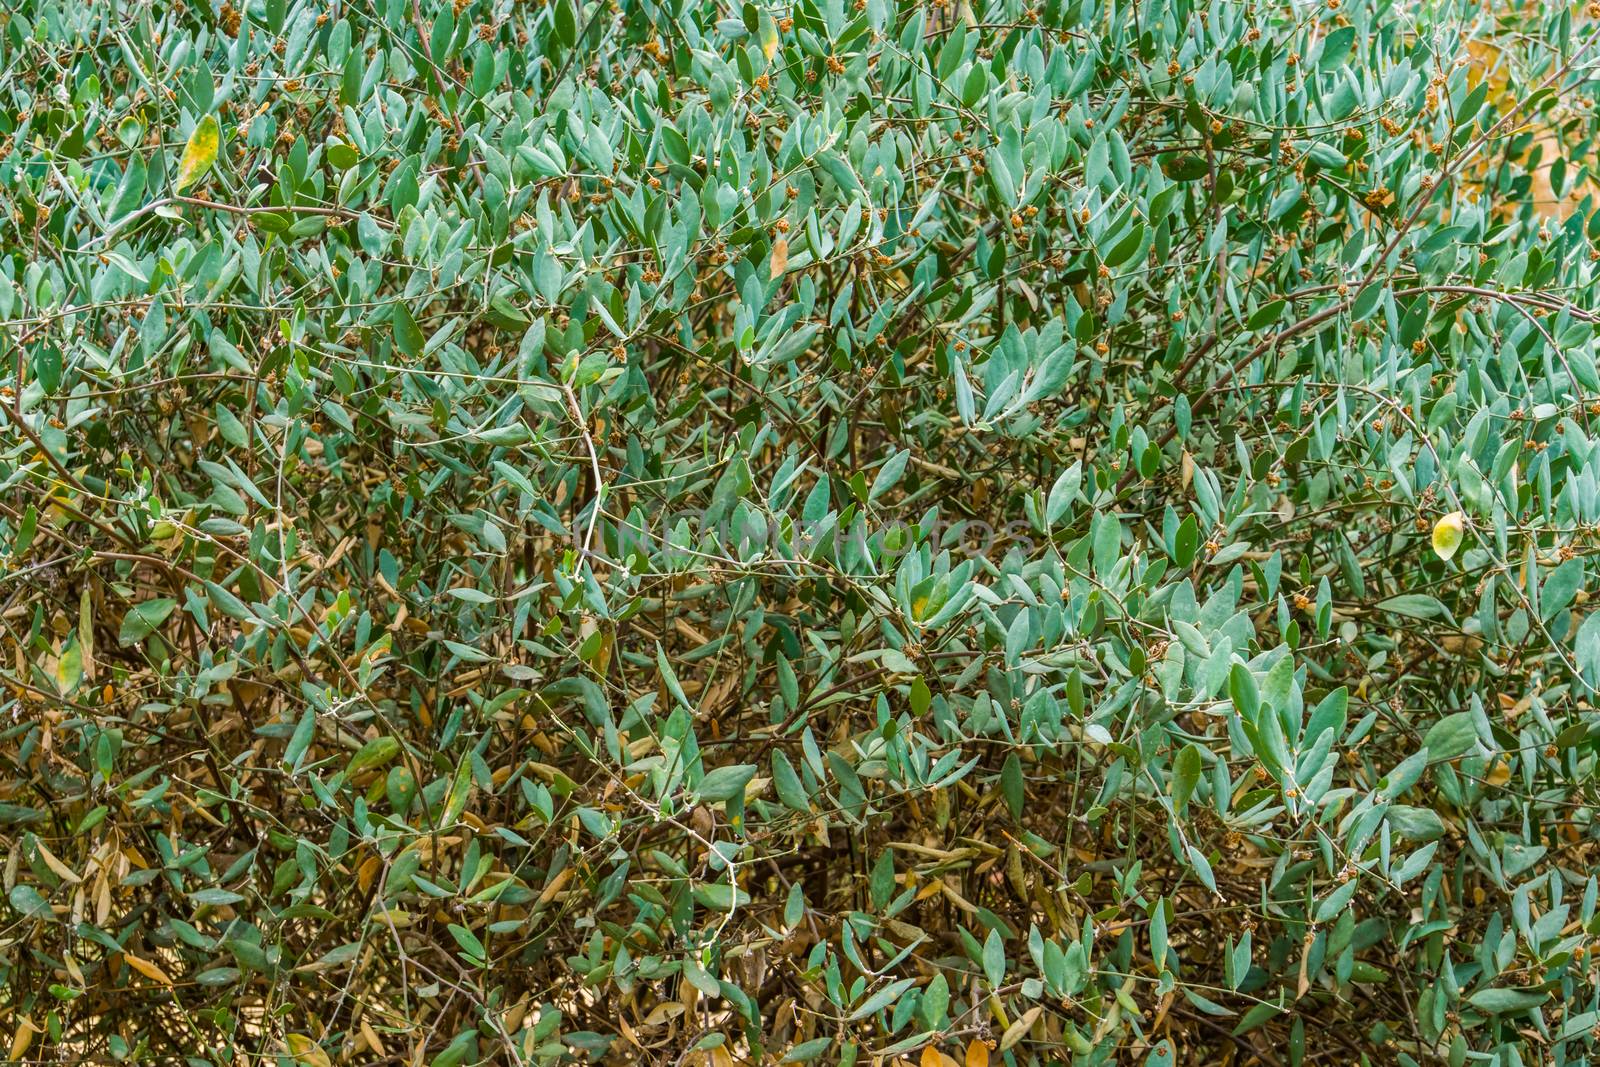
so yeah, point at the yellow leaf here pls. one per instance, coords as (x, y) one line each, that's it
(1018, 1029)
(23, 1037)
(930, 1057)
(977, 1054)
(62, 871)
(199, 153)
(556, 885)
(148, 969)
(1447, 535)
(780, 257)
(307, 1051)
(370, 1036)
(86, 631)
(368, 871)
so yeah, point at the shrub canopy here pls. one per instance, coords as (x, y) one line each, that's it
(538, 530)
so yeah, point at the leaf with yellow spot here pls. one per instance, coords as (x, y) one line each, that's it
(769, 35)
(199, 153)
(460, 792)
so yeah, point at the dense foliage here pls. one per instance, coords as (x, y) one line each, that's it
(545, 530)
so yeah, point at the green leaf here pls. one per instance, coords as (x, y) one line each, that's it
(935, 1002)
(1451, 736)
(1472, 102)
(1013, 785)
(1560, 588)
(1185, 776)
(1335, 902)
(786, 781)
(216, 897)
(28, 902)
(47, 367)
(1243, 692)
(994, 959)
(1266, 315)
(143, 618)
(973, 88)
(343, 156)
(880, 999)
(1498, 1001)
(726, 783)
(407, 335)
(469, 943)
(807, 1051)
(1416, 605)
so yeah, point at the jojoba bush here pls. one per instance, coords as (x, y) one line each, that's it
(1026, 531)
